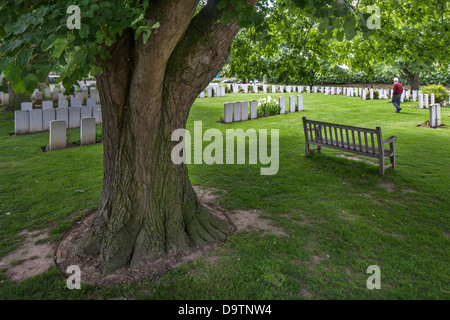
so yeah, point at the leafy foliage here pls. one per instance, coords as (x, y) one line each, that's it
(267, 107)
(440, 93)
(36, 37)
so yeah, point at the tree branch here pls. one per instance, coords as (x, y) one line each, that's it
(199, 56)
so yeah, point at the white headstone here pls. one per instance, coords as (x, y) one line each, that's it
(282, 105)
(420, 101)
(253, 109)
(74, 117)
(300, 103)
(76, 103)
(86, 112)
(228, 112)
(91, 102)
(425, 100)
(26, 106)
(35, 120)
(87, 131)
(438, 114)
(274, 89)
(291, 104)
(202, 94)
(97, 114)
(432, 98)
(47, 116)
(57, 134)
(63, 103)
(209, 92)
(21, 122)
(244, 110)
(63, 114)
(5, 101)
(433, 115)
(237, 111)
(85, 92)
(47, 105)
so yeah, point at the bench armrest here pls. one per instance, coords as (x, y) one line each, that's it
(391, 139)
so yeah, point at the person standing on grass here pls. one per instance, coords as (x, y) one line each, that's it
(397, 94)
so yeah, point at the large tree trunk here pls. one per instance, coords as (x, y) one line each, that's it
(414, 80)
(148, 207)
(16, 99)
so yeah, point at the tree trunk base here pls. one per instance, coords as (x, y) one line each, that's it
(146, 267)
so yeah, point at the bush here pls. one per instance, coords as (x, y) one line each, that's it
(440, 93)
(267, 107)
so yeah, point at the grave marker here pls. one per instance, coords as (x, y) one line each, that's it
(35, 120)
(282, 105)
(87, 131)
(63, 114)
(244, 110)
(21, 122)
(48, 115)
(228, 112)
(57, 134)
(253, 109)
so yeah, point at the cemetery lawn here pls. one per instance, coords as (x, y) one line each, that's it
(339, 217)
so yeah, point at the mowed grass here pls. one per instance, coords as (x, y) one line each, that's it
(339, 216)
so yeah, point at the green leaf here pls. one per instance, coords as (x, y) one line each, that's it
(19, 86)
(146, 36)
(137, 19)
(59, 47)
(42, 70)
(24, 57)
(31, 82)
(16, 28)
(12, 73)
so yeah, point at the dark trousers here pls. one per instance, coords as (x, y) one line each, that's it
(396, 101)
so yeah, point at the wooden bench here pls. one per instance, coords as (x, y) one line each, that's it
(362, 141)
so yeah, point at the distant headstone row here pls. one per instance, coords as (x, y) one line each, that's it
(214, 90)
(239, 111)
(38, 120)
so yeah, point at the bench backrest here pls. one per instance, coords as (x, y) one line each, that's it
(343, 137)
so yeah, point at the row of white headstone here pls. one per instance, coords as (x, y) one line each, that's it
(350, 92)
(58, 129)
(238, 111)
(38, 120)
(213, 91)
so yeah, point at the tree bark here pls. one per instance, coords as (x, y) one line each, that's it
(148, 207)
(16, 99)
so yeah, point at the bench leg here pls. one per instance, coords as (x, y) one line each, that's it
(381, 166)
(393, 155)
(306, 149)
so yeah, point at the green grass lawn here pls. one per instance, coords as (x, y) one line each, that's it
(339, 215)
